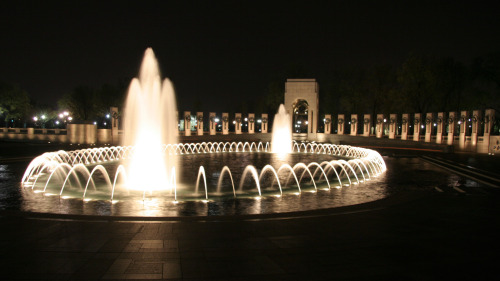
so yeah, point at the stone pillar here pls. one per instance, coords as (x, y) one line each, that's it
(237, 125)
(428, 126)
(340, 124)
(439, 127)
(489, 118)
(213, 124)
(199, 123)
(187, 123)
(452, 122)
(463, 123)
(114, 123)
(251, 123)
(328, 123)
(265, 123)
(405, 121)
(417, 121)
(366, 125)
(476, 127)
(354, 124)
(379, 128)
(393, 122)
(225, 123)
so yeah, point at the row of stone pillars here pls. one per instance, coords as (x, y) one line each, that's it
(433, 124)
(224, 121)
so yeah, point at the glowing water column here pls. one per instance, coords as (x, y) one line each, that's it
(417, 119)
(393, 120)
(379, 128)
(237, 123)
(264, 123)
(187, 123)
(452, 124)
(476, 127)
(225, 123)
(340, 124)
(354, 124)
(366, 125)
(213, 124)
(405, 122)
(428, 126)
(463, 124)
(439, 127)
(251, 123)
(199, 123)
(328, 123)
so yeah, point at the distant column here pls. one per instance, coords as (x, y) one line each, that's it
(354, 124)
(328, 123)
(417, 120)
(225, 123)
(340, 124)
(463, 124)
(366, 125)
(237, 125)
(404, 126)
(452, 123)
(265, 123)
(489, 117)
(199, 123)
(439, 127)
(428, 126)
(251, 123)
(476, 127)
(379, 128)
(114, 123)
(187, 123)
(213, 124)
(393, 122)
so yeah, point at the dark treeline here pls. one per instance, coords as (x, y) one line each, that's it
(420, 84)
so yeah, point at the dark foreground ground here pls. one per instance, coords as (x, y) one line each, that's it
(439, 234)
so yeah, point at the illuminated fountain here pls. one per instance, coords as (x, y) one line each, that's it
(149, 122)
(147, 165)
(282, 132)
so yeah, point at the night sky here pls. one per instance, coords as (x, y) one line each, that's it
(222, 53)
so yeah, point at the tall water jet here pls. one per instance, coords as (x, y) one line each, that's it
(150, 121)
(281, 142)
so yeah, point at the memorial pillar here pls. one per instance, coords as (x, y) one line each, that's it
(354, 124)
(187, 123)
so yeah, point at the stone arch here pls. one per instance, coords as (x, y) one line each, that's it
(303, 94)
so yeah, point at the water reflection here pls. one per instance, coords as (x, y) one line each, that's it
(402, 174)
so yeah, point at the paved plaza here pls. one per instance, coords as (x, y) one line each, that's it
(431, 234)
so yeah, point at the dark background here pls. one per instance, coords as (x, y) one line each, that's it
(222, 53)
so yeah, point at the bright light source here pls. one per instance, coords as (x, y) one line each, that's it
(43, 117)
(216, 120)
(246, 119)
(70, 118)
(57, 122)
(259, 121)
(61, 115)
(35, 118)
(66, 113)
(107, 115)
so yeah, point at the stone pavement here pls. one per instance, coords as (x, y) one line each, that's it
(418, 235)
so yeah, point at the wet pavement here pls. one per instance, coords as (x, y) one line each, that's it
(437, 225)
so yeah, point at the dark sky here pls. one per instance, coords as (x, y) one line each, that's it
(222, 52)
